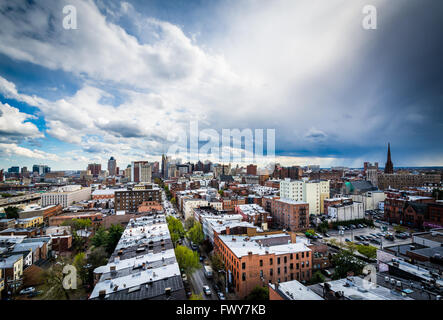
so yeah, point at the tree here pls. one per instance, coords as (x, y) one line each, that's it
(196, 297)
(98, 257)
(189, 223)
(78, 242)
(369, 251)
(259, 293)
(317, 277)
(114, 234)
(11, 212)
(217, 262)
(173, 201)
(53, 279)
(175, 226)
(80, 264)
(100, 238)
(352, 247)
(196, 233)
(221, 193)
(187, 259)
(323, 227)
(345, 262)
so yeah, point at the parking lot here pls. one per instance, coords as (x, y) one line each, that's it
(353, 234)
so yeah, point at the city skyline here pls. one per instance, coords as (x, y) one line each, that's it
(335, 93)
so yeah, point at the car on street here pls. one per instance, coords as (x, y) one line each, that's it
(347, 240)
(34, 294)
(27, 290)
(221, 296)
(207, 290)
(326, 235)
(327, 273)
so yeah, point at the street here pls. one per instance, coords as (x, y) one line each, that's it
(198, 278)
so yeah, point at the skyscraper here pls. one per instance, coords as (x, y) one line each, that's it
(389, 166)
(164, 166)
(112, 166)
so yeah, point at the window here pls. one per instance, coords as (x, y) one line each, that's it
(270, 261)
(261, 263)
(243, 276)
(278, 260)
(285, 259)
(271, 272)
(278, 270)
(243, 265)
(297, 266)
(302, 255)
(307, 254)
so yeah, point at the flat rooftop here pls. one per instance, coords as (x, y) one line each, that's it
(294, 290)
(242, 245)
(353, 289)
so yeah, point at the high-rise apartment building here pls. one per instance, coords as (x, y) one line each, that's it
(141, 171)
(312, 192)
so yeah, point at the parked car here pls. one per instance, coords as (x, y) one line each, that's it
(326, 235)
(188, 292)
(358, 237)
(217, 288)
(327, 273)
(33, 294)
(27, 290)
(347, 240)
(221, 296)
(207, 290)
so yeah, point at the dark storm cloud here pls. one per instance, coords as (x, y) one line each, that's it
(396, 80)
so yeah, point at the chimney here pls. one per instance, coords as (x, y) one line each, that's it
(228, 230)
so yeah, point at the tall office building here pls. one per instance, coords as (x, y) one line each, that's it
(141, 171)
(164, 166)
(112, 166)
(95, 168)
(40, 169)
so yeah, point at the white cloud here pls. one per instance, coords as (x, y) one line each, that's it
(13, 125)
(11, 149)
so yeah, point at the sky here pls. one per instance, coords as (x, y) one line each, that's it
(133, 76)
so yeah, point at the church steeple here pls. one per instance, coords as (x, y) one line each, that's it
(389, 166)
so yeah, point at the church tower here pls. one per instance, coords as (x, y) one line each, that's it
(389, 166)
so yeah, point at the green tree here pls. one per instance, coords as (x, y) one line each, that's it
(11, 212)
(114, 234)
(100, 238)
(323, 227)
(217, 262)
(173, 201)
(78, 242)
(221, 193)
(80, 264)
(196, 297)
(345, 262)
(187, 259)
(189, 223)
(196, 233)
(98, 257)
(368, 251)
(259, 293)
(53, 281)
(175, 226)
(317, 277)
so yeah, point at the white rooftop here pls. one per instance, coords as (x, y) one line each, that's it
(241, 247)
(294, 290)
